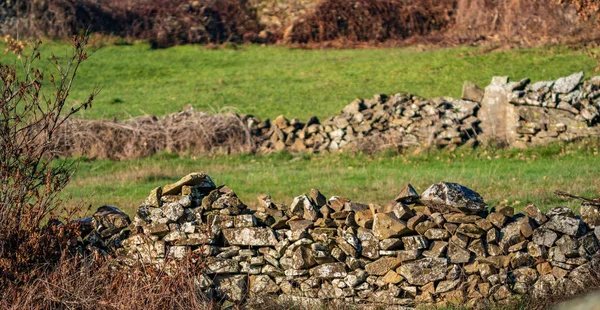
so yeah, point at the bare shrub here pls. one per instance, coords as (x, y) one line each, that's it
(184, 132)
(164, 23)
(371, 20)
(30, 184)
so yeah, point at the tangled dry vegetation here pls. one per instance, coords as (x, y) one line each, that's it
(184, 132)
(333, 23)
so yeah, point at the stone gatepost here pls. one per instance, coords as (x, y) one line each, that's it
(499, 118)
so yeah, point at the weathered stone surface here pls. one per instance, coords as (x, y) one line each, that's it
(109, 220)
(457, 254)
(565, 225)
(233, 287)
(437, 234)
(329, 271)
(253, 236)
(448, 197)
(381, 266)
(407, 195)
(472, 92)
(387, 225)
(197, 179)
(424, 270)
(567, 84)
(262, 284)
(590, 214)
(415, 243)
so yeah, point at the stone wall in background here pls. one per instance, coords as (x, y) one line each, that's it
(518, 114)
(442, 246)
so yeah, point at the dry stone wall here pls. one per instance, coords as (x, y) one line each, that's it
(402, 120)
(520, 114)
(442, 246)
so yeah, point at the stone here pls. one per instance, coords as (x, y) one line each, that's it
(567, 84)
(533, 212)
(390, 244)
(407, 195)
(446, 286)
(382, 266)
(562, 211)
(262, 284)
(590, 214)
(329, 271)
(457, 254)
(497, 219)
(250, 236)
(109, 220)
(424, 270)
(392, 277)
(545, 237)
(153, 200)
(173, 211)
(408, 255)
(197, 179)
(437, 234)
(472, 92)
(470, 230)
(414, 243)
(364, 218)
(416, 220)
(565, 225)
(232, 287)
(447, 197)
(401, 211)
(437, 249)
(302, 258)
(511, 235)
(387, 225)
(567, 246)
(318, 199)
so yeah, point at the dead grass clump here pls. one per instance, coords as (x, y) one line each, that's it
(184, 132)
(86, 283)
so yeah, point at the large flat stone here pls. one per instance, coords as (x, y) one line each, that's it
(250, 236)
(447, 197)
(198, 179)
(424, 270)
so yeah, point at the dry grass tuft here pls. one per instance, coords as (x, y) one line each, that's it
(184, 132)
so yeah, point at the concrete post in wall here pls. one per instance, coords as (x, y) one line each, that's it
(499, 118)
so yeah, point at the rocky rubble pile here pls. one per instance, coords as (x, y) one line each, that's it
(406, 119)
(565, 109)
(442, 246)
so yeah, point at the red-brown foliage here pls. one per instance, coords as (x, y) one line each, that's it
(372, 20)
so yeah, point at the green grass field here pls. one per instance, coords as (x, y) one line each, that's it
(273, 80)
(501, 176)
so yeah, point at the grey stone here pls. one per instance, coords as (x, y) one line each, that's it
(232, 287)
(250, 236)
(447, 197)
(567, 84)
(197, 179)
(424, 270)
(329, 271)
(566, 225)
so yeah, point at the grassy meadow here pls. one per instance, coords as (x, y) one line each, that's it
(513, 177)
(271, 80)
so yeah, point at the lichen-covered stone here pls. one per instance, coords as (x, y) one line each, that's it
(447, 197)
(424, 270)
(250, 236)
